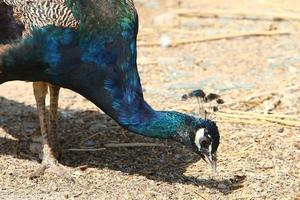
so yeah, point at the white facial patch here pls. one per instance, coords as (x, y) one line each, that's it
(199, 135)
(209, 148)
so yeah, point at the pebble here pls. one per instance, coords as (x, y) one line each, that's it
(89, 143)
(281, 130)
(165, 41)
(222, 186)
(66, 114)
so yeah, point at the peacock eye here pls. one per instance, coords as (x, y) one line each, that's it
(205, 144)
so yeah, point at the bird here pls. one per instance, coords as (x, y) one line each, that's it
(90, 47)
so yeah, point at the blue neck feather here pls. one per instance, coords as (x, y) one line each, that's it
(163, 124)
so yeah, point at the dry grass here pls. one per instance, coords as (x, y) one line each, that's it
(259, 155)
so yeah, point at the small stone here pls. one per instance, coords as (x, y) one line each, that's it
(222, 186)
(66, 114)
(165, 41)
(281, 130)
(89, 143)
(83, 167)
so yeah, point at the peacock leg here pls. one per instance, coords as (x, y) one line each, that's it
(51, 148)
(40, 91)
(53, 138)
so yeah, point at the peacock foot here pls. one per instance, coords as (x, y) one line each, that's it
(52, 167)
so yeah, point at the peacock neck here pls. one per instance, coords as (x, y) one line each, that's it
(163, 124)
(139, 117)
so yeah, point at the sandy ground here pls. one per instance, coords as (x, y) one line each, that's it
(259, 157)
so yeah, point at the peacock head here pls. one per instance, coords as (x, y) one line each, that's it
(206, 140)
(203, 137)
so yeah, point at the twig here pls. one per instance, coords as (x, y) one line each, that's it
(269, 94)
(238, 14)
(118, 145)
(294, 123)
(240, 121)
(219, 37)
(197, 193)
(159, 30)
(285, 122)
(242, 151)
(189, 108)
(112, 145)
(88, 149)
(281, 6)
(269, 106)
(260, 114)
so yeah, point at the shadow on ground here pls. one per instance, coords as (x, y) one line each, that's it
(79, 128)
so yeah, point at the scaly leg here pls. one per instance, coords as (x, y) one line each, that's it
(53, 138)
(48, 131)
(40, 92)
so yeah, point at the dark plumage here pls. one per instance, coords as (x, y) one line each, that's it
(9, 28)
(97, 58)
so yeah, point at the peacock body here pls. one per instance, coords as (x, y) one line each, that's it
(89, 46)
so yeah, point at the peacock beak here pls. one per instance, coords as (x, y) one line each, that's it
(211, 159)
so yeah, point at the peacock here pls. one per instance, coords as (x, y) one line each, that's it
(89, 46)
